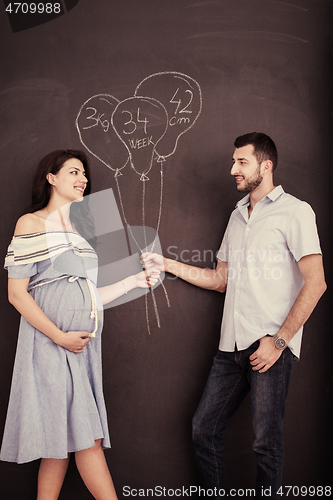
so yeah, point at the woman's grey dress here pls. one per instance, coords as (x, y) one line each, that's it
(56, 402)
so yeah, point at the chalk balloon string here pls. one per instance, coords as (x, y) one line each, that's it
(145, 236)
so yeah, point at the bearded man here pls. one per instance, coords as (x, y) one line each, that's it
(270, 265)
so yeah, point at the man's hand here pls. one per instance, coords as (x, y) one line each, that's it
(152, 260)
(266, 355)
(311, 267)
(209, 279)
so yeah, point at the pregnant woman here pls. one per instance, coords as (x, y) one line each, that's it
(56, 403)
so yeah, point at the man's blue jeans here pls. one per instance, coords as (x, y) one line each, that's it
(230, 379)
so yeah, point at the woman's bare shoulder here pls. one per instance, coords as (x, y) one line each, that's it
(29, 224)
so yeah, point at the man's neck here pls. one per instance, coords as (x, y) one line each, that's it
(258, 194)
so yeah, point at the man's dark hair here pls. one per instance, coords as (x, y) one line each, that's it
(264, 147)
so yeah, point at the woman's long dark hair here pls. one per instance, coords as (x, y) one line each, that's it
(41, 189)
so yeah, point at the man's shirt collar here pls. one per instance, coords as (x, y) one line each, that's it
(273, 195)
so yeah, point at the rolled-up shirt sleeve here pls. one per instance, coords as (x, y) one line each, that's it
(302, 234)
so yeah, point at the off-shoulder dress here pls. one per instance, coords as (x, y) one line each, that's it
(56, 403)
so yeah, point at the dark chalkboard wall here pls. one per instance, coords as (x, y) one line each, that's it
(260, 65)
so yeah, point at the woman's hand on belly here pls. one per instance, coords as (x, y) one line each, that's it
(74, 341)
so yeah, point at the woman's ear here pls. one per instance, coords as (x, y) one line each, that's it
(50, 179)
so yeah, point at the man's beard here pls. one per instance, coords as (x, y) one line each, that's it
(252, 183)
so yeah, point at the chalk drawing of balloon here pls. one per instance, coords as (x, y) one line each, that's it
(140, 123)
(93, 124)
(181, 96)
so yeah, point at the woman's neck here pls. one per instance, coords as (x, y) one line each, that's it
(58, 215)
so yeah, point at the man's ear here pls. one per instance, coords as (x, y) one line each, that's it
(267, 167)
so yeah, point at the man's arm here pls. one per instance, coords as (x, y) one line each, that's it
(210, 279)
(311, 267)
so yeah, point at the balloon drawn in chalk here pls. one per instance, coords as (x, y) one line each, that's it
(96, 133)
(138, 132)
(181, 96)
(140, 123)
